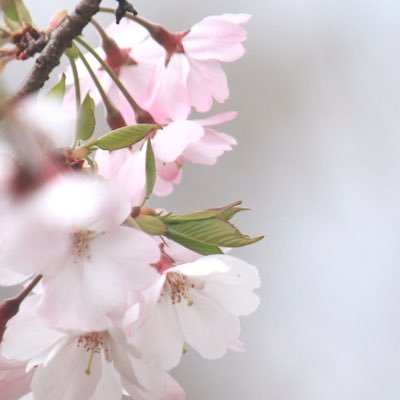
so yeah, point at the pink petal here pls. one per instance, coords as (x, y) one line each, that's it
(211, 146)
(14, 380)
(206, 80)
(217, 119)
(127, 33)
(172, 80)
(217, 38)
(170, 142)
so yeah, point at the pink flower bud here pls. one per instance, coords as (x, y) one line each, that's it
(56, 19)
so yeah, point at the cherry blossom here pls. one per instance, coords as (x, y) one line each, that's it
(192, 69)
(106, 308)
(93, 263)
(123, 55)
(180, 141)
(197, 302)
(99, 365)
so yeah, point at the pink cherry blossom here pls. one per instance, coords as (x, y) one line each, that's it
(198, 302)
(180, 141)
(192, 69)
(124, 57)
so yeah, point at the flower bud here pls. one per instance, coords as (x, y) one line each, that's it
(56, 19)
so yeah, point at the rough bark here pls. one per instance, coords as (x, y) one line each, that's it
(60, 40)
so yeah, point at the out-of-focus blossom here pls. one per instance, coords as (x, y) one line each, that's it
(71, 233)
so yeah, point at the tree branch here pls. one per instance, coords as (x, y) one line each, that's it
(60, 40)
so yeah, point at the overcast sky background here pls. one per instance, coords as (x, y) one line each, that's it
(318, 162)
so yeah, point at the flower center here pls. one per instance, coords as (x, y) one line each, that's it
(93, 343)
(178, 286)
(80, 245)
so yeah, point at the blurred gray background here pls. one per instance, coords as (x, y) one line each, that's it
(318, 162)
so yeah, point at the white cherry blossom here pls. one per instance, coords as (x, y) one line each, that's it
(198, 302)
(97, 365)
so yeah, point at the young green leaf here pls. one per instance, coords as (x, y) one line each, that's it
(124, 137)
(151, 224)
(86, 119)
(58, 90)
(190, 242)
(150, 169)
(16, 15)
(214, 232)
(226, 213)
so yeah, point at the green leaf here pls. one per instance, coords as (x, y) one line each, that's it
(86, 120)
(5, 36)
(124, 137)
(225, 213)
(199, 246)
(213, 232)
(151, 224)
(16, 15)
(150, 169)
(58, 91)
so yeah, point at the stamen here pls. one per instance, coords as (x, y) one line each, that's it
(178, 286)
(80, 245)
(93, 343)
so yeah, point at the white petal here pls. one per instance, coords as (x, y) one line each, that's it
(160, 336)
(233, 288)
(64, 377)
(109, 386)
(207, 327)
(129, 253)
(82, 202)
(202, 267)
(26, 335)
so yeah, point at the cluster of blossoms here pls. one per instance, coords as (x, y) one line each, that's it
(114, 290)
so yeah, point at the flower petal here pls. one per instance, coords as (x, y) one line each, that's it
(217, 38)
(170, 142)
(207, 327)
(64, 376)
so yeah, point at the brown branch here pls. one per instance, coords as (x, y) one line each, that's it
(60, 40)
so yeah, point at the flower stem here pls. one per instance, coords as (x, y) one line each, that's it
(24, 293)
(76, 82)
(141, 115)
(107, 103)
(114, 117)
